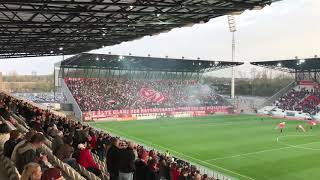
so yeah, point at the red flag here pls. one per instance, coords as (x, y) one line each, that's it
(151, 95)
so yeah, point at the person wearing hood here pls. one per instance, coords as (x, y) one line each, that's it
(26, 138)
(28, 152)
(85, 159)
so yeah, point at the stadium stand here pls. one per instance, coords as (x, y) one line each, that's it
(94, 94)
(42, 97)
(25, 115)
(9, 167)
(134, 87)
(300, 99)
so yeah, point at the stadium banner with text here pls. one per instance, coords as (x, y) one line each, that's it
(198, 111)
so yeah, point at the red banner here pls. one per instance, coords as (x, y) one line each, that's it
(308, 83)
(151, 95)
(119, 113)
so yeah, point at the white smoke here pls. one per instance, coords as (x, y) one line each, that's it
(195, 92)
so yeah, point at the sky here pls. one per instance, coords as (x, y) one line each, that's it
(283, 30)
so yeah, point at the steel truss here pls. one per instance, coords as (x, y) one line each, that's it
(53, 27)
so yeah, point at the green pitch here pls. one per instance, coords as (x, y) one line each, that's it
(244, 147)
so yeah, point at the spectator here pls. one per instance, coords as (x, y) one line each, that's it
(86, 160)
(11, 143)
(57, 142)
(36, 124)
(164, 169)
(205, 177)
(141, 167)
(102, 144)
(152, 173)
(32, 171)
(93, 141)
(52, 174)
(26, 138)
(27, 153)
(65, 152)
(184, 175)
(126, 162)
(4, 111)
(197, 177)
(113, 159)
(174, 171)
(4, 134)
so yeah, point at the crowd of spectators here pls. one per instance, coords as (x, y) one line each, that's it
(117, 93)
(304, 100)
(44, 97)
(74, 144)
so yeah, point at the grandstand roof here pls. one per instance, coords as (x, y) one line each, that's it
(292, 65)
(135, 63)
(52, 27)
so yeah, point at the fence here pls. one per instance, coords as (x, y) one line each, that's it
(277, 95)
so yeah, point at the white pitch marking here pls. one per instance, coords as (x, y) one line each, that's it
(299, 145)
(267, 150)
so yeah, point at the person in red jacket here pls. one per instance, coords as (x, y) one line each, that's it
(93, 141)
(174, 171)
(85, 159)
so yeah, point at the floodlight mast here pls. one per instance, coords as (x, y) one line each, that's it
(232, 28)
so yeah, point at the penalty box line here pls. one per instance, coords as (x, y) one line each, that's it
(190, 157)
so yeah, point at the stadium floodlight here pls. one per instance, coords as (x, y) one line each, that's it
(210, 64)
(97, 58)
(103, 34)
(216, 63)
(279, 65)
(192, 63)
(232, 28)
(131, 7)
(60, 48)
(199, 63)
(120, 58)
(51, 52)
(158, 15)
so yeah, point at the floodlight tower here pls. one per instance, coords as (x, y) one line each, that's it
(232, 28)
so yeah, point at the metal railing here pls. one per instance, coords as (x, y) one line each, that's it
(277, 95)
